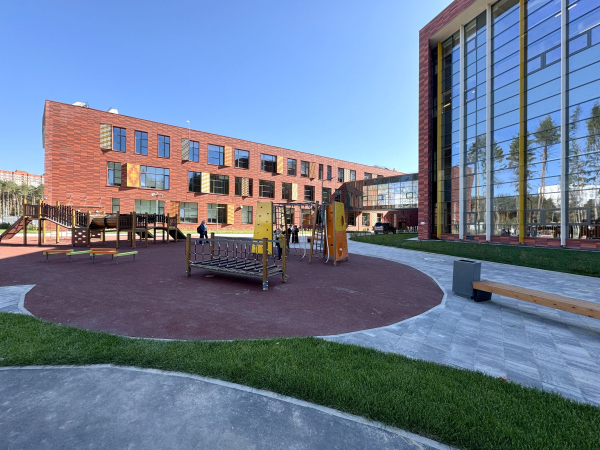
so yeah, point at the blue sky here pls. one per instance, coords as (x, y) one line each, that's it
(337, 78)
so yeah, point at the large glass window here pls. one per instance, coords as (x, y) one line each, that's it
(149, 207)
(190, 212)
(366, 219)
(320, 171)
(286, 191)
(340, 176)
(238, 186)
(119, 139)
(266, 189)
(246, 215)
(194, 181)
(219, 184)
(353, 175)
(326, 195)
(304, 168)
(329, 177)
(116, 205)
(351, 219)
(242, 159)
(164, 146)
(141, 143)
(194, 151)
(368, 176)
(309, 193)
(216, 155)
(216, 213)
(114, 174)
(268, 163)
(154, 177)
(291, 167)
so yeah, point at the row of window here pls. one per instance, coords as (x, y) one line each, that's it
(158, 178)
(188, 211)
(216, 155)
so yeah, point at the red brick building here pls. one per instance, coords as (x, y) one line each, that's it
(104, 161)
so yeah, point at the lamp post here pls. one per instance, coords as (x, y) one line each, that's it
(156, 194)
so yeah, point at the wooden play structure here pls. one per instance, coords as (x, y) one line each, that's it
(240, 256)
(84, 226)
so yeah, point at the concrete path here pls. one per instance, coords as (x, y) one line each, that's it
(110, 407)
(12, 298)
(532, 345)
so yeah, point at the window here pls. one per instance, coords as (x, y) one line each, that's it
(338, 195)
(119, 139)
(353, 175)
(219, 184)
(194, 151)
(326, 195)
(268, 163)
(189, 212)
(149, 206)
(329, 177)
(340, 175)
(116, 205)
(309, 193)
(216, 213)
(141, 143)
(286, 191)
(368, 176)
(320, 171)
(114, 173)
(366, 219)
(266, 189)
(291, 167)
(216, 155)
(238, 186)
(304, 168)
(154, 177)
(164, 146)
(246, 215)
(194, 181)
(242, 159)
(379, 217)
(351, 219)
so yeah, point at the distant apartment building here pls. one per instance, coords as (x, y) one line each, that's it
(21, 177)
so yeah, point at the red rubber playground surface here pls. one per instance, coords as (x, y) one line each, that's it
(152, 297)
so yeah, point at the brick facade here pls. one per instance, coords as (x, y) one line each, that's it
(76, 166)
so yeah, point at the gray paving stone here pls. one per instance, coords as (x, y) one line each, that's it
(534, 344)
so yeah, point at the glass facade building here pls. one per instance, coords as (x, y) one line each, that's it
(513, 143)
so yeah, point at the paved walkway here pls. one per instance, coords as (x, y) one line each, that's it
(532, 345)
(13, 297)
(112, 407)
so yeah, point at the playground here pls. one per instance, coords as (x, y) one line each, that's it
(152, 297)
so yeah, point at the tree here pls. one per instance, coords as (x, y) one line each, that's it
(593, 152)
(546, 135)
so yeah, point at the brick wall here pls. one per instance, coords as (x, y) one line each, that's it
(76, 166)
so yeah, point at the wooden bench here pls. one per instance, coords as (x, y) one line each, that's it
(56, 252)
(110, 251)
(573, 305)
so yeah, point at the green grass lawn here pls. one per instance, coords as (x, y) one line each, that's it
(457, 407)
(559, 260)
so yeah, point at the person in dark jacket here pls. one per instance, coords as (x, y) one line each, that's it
(203, 231)
(295, 232)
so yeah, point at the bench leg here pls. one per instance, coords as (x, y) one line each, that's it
(265, 285)
(481, 296)
(46, 257)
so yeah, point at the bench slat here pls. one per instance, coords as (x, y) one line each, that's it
(573, 305)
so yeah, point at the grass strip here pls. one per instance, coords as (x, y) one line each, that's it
(454, 406)
(579, 262)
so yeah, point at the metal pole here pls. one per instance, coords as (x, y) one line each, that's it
(188, 254)
(564, 120)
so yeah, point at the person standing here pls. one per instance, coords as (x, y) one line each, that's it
(203, 231)
(277, 237)
(295, 232)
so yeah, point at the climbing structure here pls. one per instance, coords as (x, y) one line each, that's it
(85, 226)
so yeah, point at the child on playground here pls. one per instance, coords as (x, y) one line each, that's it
(203, 231)
(277, 236)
